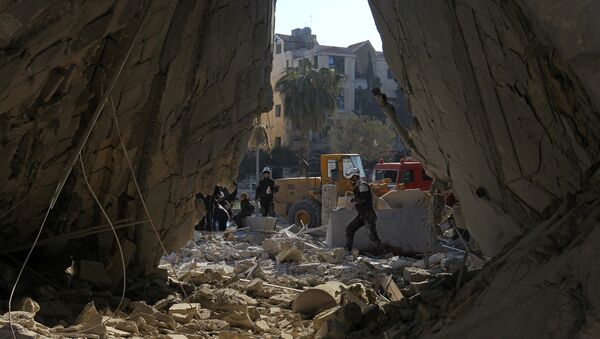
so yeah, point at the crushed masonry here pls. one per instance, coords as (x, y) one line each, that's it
(287, 285)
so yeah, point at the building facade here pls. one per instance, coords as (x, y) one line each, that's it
(363, 68)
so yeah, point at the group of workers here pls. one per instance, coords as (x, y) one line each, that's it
(219, 205)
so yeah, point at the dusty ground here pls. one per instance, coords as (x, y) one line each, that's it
(250, 284)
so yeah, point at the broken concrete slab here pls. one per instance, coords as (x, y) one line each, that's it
(184, 312)
(254, 285)
(260, 224)
(349, 314)
(151, 316)
(291, 254)
(386, 285)
(406, 198)
(225, 299)
(239, 319)
(261, 326)
(402, 230)
(116, 333)
(212, 325)
(382, 204)
(89, 321)
(177, 336)
(27, 305)
(283, 300)
(271, 245)
(415, 274)
(318, 298)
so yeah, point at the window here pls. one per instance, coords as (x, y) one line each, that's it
(277, 111)
(337, 63)
(353, 162)
(426, 177)
(316, 61)
(390, 75)
(386, 174)
(277, 48)
(408, 176)
(340, 101)
(277, 142)
(332, 170)
(287, 63)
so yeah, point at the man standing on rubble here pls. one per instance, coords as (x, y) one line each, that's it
(363, 202)
(264, 193)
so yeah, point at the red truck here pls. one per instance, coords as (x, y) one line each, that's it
(408, 174)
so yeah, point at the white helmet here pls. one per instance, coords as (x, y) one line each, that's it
(266, 169)
(352, 172)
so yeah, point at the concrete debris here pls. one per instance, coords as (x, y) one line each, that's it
(414, 274)
(292, 254)
(260, 224)
(288, 285)
(27, 305)
(385, 285)
(318, 298)
(89, 321)
(239, 319)
(184, 312)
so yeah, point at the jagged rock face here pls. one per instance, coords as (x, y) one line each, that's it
(195, 78)
(503, 93)
(506, 99)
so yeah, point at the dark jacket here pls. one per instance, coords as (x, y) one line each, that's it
(261, 189)
(363, 198)
(246, 208)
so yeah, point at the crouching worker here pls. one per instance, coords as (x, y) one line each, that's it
(363, 202)
(246, 210)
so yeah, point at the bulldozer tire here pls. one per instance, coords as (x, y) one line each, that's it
(306, 210)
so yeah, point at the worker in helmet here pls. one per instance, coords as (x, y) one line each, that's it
(363, 202)
(264, 193)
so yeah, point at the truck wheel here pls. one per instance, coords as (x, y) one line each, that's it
(307, 211)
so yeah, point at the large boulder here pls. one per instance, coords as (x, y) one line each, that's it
(196, 76)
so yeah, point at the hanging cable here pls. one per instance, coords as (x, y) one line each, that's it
(139, 191)
(71, 163)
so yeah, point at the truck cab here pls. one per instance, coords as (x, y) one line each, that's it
(406, 174)
(334, 168)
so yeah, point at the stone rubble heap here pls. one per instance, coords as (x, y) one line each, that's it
(288, 286)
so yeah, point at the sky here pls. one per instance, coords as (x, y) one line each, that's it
(335, 22)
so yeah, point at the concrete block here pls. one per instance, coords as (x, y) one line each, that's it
(328, 202)
(405, 198)
(318, 298)
(260, 224)
(405, 230)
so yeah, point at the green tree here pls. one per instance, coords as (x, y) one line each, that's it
(309, 94)
(369, 137)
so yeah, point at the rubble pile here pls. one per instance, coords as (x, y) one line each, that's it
(288, 286)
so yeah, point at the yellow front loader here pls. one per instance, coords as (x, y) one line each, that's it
(300, 198)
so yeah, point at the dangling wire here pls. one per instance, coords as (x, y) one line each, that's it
(71, 164)
(139, 191)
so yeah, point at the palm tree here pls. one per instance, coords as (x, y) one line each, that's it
(308, 96)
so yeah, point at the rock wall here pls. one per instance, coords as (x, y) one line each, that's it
(195, 78)
(503, 93)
